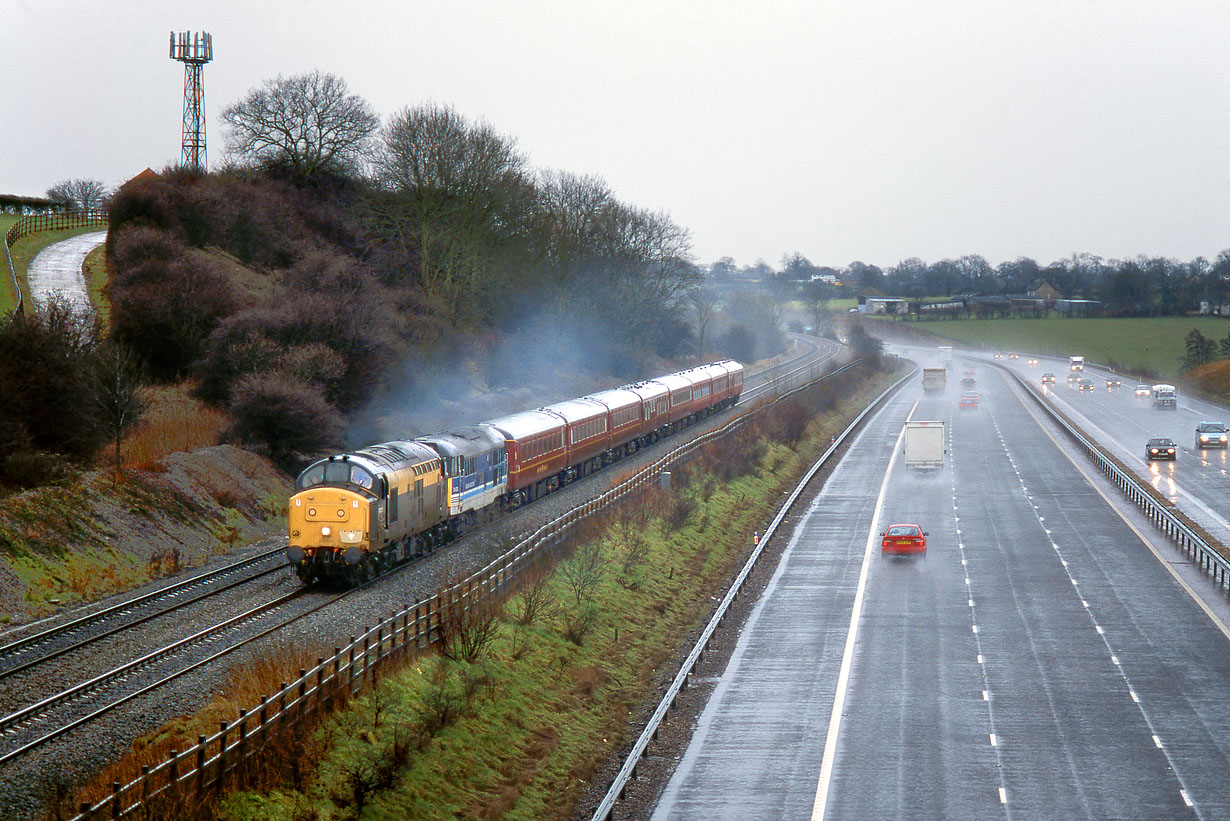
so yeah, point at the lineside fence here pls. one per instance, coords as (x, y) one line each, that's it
(44, 222)
(216, 761)
(1206, 556)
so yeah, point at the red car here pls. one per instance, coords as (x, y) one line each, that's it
(903, 539)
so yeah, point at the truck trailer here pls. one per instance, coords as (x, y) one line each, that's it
(934, 379)
(924, 445)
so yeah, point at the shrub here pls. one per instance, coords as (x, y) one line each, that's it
(167, 316)
(282, 417)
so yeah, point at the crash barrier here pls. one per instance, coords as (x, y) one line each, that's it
(214, 762)
(44, 222)
(640, 749)
(1161, 513)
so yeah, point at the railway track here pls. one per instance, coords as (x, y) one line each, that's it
(52, 717)
(26, 652)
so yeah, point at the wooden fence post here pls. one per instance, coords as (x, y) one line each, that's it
(200, 765)
(222, 728)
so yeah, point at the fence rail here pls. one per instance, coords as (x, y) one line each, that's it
(413, 628)
(44, 222)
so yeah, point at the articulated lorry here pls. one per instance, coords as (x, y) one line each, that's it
(924, 445)
(934, 379)
(1165, 397)
(946, 354)
(1076, 363)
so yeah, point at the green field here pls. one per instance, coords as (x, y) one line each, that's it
(1154, 343)
(8, 297)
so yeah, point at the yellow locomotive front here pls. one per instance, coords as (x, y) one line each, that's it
(332, 520)
(355, 515)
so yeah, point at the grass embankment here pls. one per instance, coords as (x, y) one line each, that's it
(96, 278)
(515, 732)
(8, 297)
(27, 248)
(1146, 345)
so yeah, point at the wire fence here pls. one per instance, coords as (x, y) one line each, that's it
(413, 629)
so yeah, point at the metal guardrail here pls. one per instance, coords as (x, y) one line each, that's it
(421, 625)
(44, 222)
(1207, 557)
(627, 773)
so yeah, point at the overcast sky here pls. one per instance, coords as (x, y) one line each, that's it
(865, 129)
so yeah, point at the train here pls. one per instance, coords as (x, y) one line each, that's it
(354, 515)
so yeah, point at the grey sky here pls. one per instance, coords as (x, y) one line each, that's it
(864, 129)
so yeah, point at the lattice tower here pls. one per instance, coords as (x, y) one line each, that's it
(194, 50)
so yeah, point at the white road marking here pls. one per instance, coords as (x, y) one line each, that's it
(847, 656)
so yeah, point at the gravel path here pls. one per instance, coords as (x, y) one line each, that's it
(58, 268)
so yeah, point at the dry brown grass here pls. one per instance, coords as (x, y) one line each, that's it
(174, 422)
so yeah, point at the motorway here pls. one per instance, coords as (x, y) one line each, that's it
(1045, 660)
(1197, 481)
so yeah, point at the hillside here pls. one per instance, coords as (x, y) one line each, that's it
(79, 542)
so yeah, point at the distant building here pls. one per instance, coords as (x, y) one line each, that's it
(1078, 307)
(17, 204)
(1210, 307)
(1047, 291)
(147, 174)
(886, 305)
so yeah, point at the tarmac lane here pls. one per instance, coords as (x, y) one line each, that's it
(58, 268)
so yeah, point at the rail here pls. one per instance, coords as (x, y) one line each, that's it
(413, 628)
(43, 222)
(627, 773)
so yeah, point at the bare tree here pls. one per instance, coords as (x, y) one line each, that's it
(119, 379)
(309, 123)
(79, 194)
(704, 310)
(459, 192)
(816, 298)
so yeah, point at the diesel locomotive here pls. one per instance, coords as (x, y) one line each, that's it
(355, 514)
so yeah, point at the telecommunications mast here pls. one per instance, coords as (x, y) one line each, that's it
(194, 50)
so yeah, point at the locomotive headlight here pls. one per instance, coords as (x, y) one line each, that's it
(325, 531)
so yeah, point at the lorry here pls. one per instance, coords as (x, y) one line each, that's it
(924, 445)
(946, 354)
(1165, 397)
(934, 378)
(1076, 363)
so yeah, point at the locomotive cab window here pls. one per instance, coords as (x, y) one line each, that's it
(360, 477)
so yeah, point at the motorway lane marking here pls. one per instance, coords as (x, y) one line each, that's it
(847, 656)
(986, 683)
(1213, 617)
(1173, 769)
